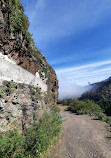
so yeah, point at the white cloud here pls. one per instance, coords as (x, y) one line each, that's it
(70, 78)
(71, 91)
(71, 69)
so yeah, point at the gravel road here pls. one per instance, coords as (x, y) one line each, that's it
(82, 137)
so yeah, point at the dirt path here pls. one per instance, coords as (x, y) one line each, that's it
(82, 137)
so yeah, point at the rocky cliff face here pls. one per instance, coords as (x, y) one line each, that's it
(17, 43)
(20, 101)
(20, 105)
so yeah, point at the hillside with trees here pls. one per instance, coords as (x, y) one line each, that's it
(101, 94)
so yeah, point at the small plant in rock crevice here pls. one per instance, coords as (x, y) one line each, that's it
(2, 93)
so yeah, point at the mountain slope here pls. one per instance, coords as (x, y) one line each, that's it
(101, 94)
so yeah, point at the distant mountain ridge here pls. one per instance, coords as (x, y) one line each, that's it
(101, 94)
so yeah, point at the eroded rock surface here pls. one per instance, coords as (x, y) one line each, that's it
(19, 105)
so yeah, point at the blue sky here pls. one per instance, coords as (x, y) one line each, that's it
(75, 37)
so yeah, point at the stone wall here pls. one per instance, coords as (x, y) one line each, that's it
(10, 71)
(20, 105)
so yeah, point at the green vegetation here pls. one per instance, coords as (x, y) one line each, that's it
(11, 143)
(85, 107)
(10, 87)
(101, 94)
(89, 107)
(2, 93)
(17, 3)
(65, 102)
(38, 90)
(55, 109)
(35, 141)
(104, 117)
(41, 135)
(20, 22)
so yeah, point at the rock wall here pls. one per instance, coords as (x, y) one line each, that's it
(10, 71)
(20, 105)
(17, 43)
(34, 85)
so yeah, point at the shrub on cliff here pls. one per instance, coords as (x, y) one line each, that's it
(101, 94)
(11, 144)
(35, 140)
(19, 20)
(85, 107)
(40, 136)
(65, 102)
(54, 109)
(89, 107)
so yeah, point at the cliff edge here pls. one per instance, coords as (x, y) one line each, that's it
(28, 83)
(17, 43)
